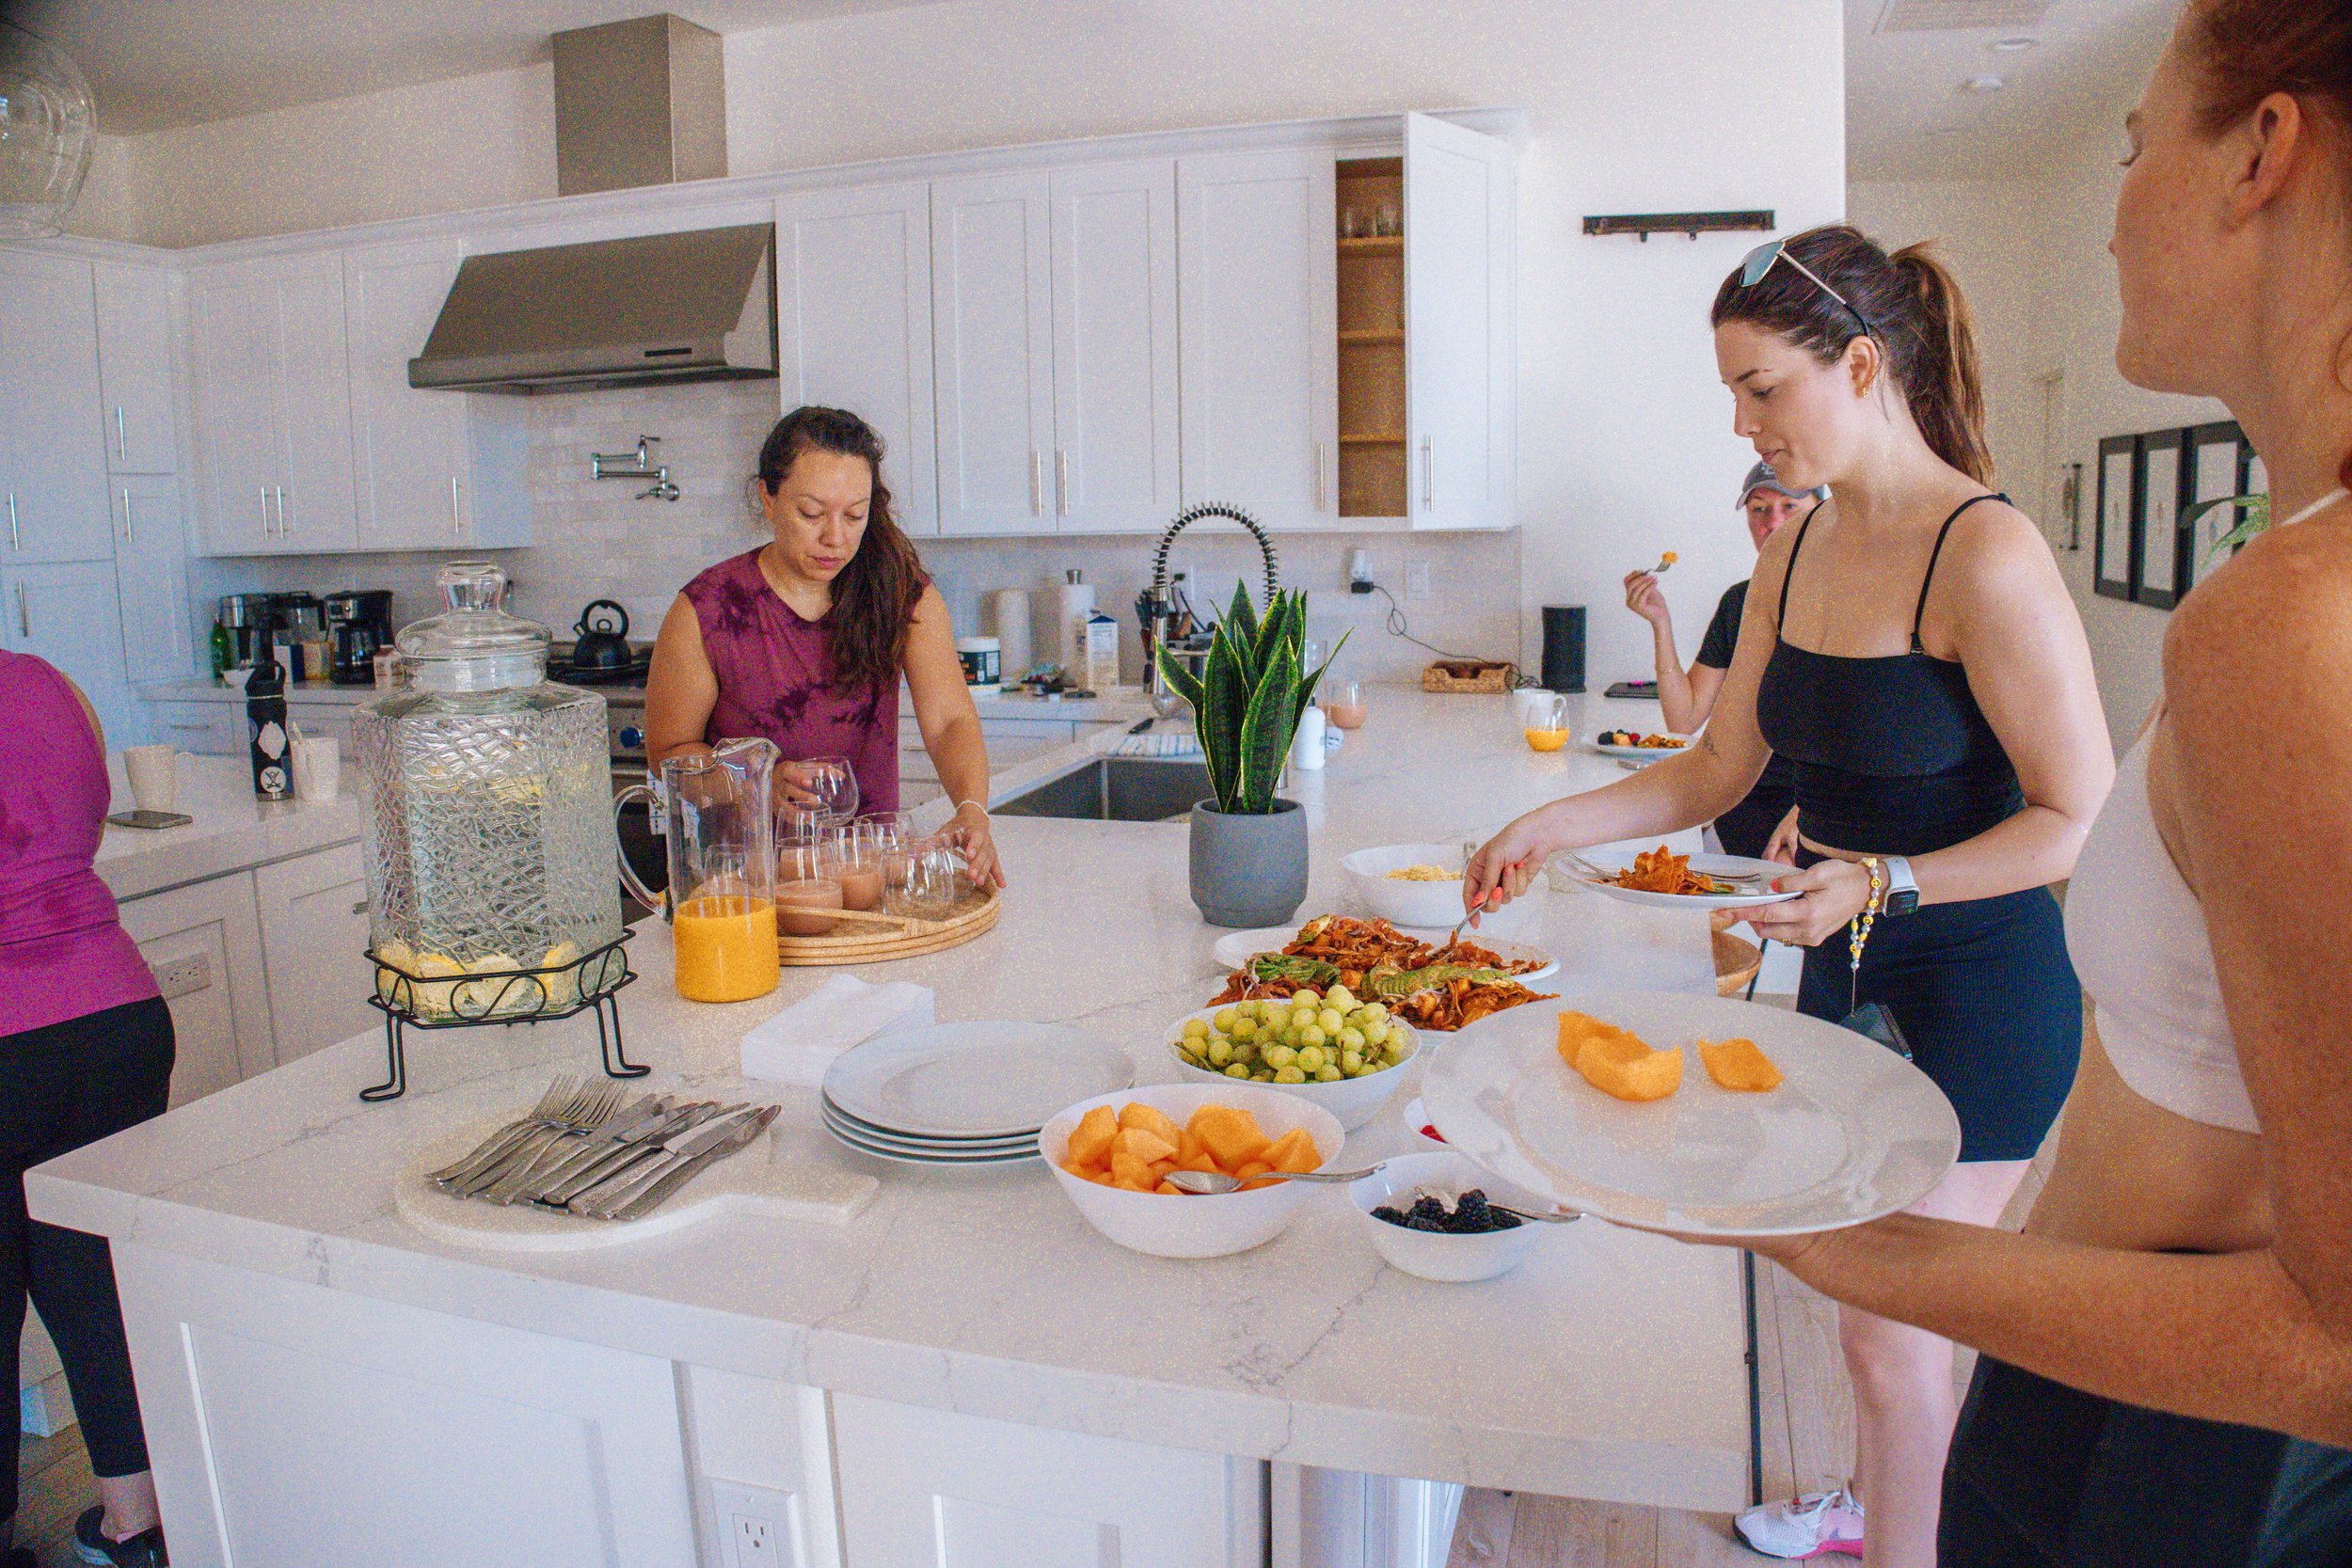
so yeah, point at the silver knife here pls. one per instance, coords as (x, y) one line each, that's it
(535, 1139)
(678, 1176)
(614, 1191)
(541, 1170)
(611, 1162)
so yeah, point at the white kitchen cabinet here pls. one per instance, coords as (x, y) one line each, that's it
(52, 470)
(853, 324)
(1116, 461)
(292, 1423)
(313, 912)
(992, 330)
(204, 729)
(135, 338)
(273, 406)
(68, 614)
(1459, 313)
(321, 716)
(205, 947)
(151, 578)
(1257, 280)
(436, 469)
(935, 1489)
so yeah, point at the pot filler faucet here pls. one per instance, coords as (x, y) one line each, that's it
(636, 465)
(1157, 612)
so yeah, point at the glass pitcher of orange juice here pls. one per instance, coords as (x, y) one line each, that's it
(713, 811)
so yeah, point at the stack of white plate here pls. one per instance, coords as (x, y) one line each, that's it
(964, 1094)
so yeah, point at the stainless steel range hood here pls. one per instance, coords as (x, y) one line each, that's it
(637, 102)
(698, 306)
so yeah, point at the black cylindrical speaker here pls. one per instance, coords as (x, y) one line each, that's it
(1564, 647)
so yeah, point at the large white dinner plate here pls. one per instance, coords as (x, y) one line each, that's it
(935, 1162)
(1621, 860)
(1854, 1133)
(1239, 947)
(1641, 753)
(972, 1080)
(868, 1132)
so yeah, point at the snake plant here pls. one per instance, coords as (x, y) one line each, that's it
(1247, 699)
(2256, 508)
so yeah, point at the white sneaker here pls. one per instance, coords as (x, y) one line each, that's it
(1814, 1525)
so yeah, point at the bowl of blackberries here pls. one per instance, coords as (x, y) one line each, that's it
(1440, 1217)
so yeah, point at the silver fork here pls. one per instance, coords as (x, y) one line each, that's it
(590, 1109)
(522, 1176)
(558, 1092)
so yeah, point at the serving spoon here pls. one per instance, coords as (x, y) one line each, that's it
(1211, 1181)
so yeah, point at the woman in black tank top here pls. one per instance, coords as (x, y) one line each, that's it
(1912, 653)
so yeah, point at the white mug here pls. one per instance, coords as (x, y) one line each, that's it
(155, 774)
(318, 768)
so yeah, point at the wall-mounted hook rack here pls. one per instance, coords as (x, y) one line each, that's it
(1643, 225)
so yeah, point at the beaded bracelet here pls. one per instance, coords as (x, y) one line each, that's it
(1858, 929)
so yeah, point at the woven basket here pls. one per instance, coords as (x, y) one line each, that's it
(1475, 677)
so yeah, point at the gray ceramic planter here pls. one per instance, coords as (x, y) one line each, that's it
(1248, 870)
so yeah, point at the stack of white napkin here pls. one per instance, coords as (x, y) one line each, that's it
(798, 1044)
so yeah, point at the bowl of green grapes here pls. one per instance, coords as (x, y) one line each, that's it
(1329, 1048)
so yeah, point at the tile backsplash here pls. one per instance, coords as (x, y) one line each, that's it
(594, 539)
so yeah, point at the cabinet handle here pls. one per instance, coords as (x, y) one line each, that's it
(130, 533)
(1428, 484)
(24, 610)
(283, 530)
(456, 519)
(15, 541)
(359, 908)
(1320, 455)
(1036, 482)
(123, 440)
(1061, 481)
(265, 511)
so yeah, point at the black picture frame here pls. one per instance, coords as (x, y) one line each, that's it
(2158, 468)
(2115, 530)
(2219, 458)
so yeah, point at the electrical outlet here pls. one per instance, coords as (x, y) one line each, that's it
(182, 976)
(1416, 579)
(758, 1527)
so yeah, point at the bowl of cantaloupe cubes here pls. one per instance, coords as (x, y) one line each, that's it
(1112, 1153)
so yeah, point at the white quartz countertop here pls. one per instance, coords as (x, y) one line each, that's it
(1609, 1366)
(233, 829)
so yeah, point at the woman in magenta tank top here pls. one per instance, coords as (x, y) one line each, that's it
(85, 1051)
(806, 640)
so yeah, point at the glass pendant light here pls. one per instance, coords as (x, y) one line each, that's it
(46, 134)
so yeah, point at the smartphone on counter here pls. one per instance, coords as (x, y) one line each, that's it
(150, 819)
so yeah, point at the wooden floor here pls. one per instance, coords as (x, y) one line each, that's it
(1807, 1418)
(54, 1485)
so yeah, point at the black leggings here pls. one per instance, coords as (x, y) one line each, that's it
(62, 1086)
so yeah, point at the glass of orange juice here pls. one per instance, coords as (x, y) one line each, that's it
(1547, 722)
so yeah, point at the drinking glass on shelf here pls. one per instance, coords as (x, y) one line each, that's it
(1351, 224)
(1391, 223)
(1343, 703)
(808, 882)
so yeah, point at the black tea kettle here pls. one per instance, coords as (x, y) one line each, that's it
(600, 645)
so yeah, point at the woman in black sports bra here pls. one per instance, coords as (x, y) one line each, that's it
(1911, 649)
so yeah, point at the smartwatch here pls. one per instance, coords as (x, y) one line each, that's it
(1903, 888)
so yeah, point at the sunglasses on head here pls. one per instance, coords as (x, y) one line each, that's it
(1761, 259)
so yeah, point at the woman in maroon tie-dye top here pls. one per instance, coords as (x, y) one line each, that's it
(804, 640)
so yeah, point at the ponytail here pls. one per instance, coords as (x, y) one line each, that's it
(1945, 389)
(1918, 318)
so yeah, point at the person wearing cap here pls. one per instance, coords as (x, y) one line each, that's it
(1689, 695)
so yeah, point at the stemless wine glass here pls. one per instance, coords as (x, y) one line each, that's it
(922, 880)
(808, 882)
(835, 785)
(1343, 703)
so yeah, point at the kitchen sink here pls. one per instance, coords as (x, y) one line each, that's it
(1117, 790)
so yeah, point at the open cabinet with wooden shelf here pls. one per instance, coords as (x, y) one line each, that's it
(1373, 466)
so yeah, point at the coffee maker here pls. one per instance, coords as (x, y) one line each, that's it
(249, 620)
(358, 622)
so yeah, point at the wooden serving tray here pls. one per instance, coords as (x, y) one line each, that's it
(976, 912)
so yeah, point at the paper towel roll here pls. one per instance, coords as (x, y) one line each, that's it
(1009, 614)
(1062, 633)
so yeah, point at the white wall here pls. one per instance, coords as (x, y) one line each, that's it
(1625, 436)
(2033, 258)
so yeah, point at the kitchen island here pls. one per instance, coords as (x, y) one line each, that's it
(961, 1372)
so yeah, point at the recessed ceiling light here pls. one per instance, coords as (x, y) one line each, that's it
(1984, 84)
(2013, 46)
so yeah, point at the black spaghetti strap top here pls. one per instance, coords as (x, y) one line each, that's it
(1892, 755)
